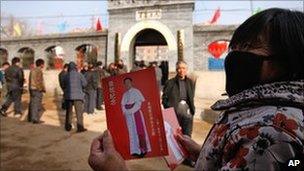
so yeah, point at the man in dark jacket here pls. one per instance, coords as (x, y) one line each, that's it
(92, 79)
(74, 96)
(179, 93)
(14, 77)
(61, 78)
(101, 74)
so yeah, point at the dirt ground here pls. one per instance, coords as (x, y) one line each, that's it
(48, 146)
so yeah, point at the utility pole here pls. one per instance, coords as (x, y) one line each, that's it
(251, 7)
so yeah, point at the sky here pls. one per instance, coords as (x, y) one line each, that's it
(80, 14)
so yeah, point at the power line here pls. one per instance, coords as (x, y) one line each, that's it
(57, 16)
(195, 12)
(103, 14)
(209, 9)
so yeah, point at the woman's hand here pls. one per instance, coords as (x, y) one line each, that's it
(103, 155)
(190, 145)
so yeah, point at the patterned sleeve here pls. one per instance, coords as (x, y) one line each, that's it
(260, 148)
(251, 147)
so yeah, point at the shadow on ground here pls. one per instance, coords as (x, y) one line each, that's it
(25, 146)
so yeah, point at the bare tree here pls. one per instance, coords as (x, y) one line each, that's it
(9, 21)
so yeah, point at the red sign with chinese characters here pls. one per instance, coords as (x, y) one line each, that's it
(134, 115)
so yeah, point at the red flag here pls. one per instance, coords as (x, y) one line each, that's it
(98, 25)
(216, 16)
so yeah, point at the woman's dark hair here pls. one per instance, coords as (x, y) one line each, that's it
(98, 63)
(65, 65)
(127, 79)
(281, 32)
(39, 62)
(15, 60)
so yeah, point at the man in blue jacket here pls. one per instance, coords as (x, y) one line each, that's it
(74, 84)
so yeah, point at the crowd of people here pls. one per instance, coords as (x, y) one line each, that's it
(81, 87)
